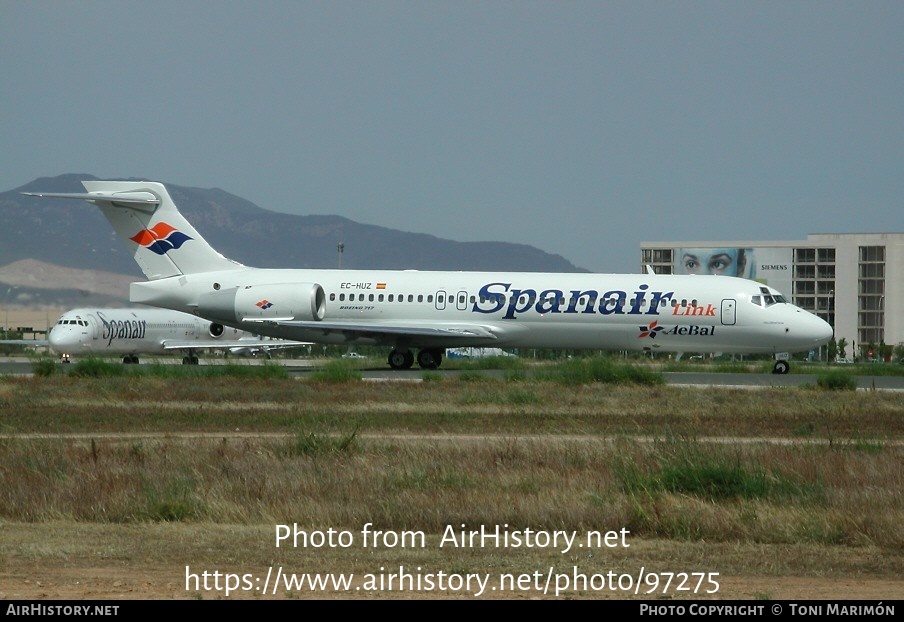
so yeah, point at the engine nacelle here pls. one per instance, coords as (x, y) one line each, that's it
(215, 330)
(284, 301)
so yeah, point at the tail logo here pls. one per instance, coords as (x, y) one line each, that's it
(264, 304)
(160, 239)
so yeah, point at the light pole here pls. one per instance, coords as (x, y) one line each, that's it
(340, 248)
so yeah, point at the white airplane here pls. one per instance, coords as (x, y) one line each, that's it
(130, 332)
(431, 311)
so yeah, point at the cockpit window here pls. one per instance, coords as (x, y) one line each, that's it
(768, 298)
(69, 322)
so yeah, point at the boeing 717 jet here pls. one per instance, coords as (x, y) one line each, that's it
(420, 314)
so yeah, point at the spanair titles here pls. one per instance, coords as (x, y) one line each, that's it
(493, 297)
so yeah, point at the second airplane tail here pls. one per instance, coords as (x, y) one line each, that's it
(160, 239)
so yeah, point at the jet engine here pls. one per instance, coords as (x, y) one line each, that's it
(284, 301)
(215, 330)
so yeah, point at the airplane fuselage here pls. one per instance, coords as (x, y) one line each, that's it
(535, 310)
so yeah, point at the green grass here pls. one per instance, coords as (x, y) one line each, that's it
(92, 367)
(713, 473)
(837, 381)
(600, 370)
(340, 370)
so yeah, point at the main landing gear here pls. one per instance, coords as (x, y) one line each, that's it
(427, 358)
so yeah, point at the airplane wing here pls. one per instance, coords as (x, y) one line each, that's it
(434, 329)
(28, 343)
(175, 344)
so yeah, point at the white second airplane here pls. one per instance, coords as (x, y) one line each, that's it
(130, 332)
(431, 311)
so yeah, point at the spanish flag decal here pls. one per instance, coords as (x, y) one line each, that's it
(381, 285)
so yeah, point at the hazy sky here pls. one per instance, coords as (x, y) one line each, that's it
(581, 128)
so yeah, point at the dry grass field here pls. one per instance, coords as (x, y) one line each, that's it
(133, 487)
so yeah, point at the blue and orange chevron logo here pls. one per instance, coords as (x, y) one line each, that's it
(650, 331)
(264, 304)
(161, 238)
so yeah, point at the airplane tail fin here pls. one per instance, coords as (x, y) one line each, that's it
(147, 220)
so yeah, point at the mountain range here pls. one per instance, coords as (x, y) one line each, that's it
(64, 253)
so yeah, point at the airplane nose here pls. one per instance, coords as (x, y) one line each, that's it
(61, 338)
(816, 330)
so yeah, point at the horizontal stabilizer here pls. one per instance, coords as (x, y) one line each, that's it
(127, 199)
